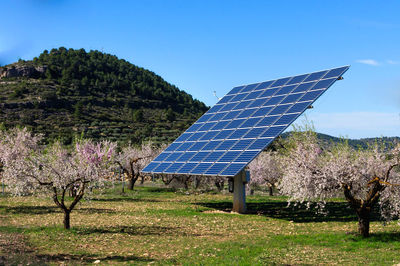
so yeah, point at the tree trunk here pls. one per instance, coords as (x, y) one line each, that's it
(67, 219)
(142, 180)
(363, 215)
(131, 183)
(271, 191)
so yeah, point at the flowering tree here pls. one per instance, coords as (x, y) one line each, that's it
(132, 160)
(28, 167)
(366, 177)
(265, 171)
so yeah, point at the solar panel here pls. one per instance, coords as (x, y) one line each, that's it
(241, 125)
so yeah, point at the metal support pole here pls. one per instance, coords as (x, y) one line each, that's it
(239, 192)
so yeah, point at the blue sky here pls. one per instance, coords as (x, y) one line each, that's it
(206, 46)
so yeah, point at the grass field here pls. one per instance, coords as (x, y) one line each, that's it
(158, 226)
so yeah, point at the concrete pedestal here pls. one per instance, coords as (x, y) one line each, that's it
(239, 193)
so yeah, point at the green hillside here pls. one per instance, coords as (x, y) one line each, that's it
(67, 92)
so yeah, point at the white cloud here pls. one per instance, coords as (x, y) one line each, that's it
(392, 62)
(370, 62)
(357, 124)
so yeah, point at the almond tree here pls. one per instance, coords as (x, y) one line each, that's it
(30, 168)
(265, 171)
(366, 177)
(133, 159)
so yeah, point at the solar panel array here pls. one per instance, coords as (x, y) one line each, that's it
(241, 125)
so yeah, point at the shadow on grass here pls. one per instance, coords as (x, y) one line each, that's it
(125, 199)
(89, 258)
(337, 211)
(28, 209)
(134, 230)
(49, 209)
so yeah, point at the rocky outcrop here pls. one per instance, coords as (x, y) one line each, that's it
(22, 71)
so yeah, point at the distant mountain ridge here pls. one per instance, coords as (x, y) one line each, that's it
(67, 92)
(363, 143)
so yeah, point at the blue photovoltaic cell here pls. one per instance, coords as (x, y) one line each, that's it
(297, 79)
(250, 87)
(285, 90)
(186, 168)
(194, 127)
(199, 156)
(185, 146)
(264, 85)
(211, 145)
(216, 168)
(198, 145)
(262, 111)
(251, 122)
(273, 131)
(201, 168)
(235, 90)
(220, 125)
(209, 135)
(173, 156)
(161, 167)
(231, 115)
(274, 100)
(260, 144)
(246, 156)
(243, 105)
(223, 134)
(161, 157)
(173, 168)
(186, 156)
(254, 133)
(213, 156)
(233, 169)
(280, 82)
(311, 95)
(298, 107)
(229, 156)
(235, 123)
(267, 93)
(266, 121)
(304, 87)
(241, 125)
(150, 167)
(195, 136)
(280, 109)
(315, 76)
(242, 144)
(226, 99)
(253, 95)
(286, 120)
(226, 145)
(246, 113)
(205, 127)
(238, 133)
(258, 102)
(216, 117)
(238, 98)
(323, 84)
(216, 108)
(292, 98)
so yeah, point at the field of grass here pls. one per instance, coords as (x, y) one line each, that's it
(158, 226)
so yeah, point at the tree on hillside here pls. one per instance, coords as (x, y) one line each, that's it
(133, 159)
(366, 177)
(29, 168)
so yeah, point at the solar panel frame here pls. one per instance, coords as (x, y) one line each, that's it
(242, 124)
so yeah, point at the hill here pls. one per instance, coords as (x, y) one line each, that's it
(67, 92)
(362, 143)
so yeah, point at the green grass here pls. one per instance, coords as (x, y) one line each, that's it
(160, 226)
